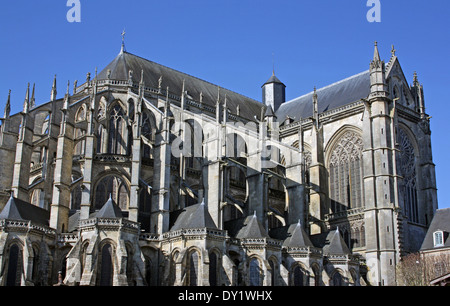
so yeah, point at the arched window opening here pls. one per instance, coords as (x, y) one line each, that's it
(337, 279)
(408, 172)
(35, 273)
(106, 270)
(75, 197)
(298, 278)
(13, 277)
(193, 269)
(112, 186)
(346, 173)
(118, 134)
(145, 204)
(255, 272)
(101, 139)
(213, 266)
(148, 271)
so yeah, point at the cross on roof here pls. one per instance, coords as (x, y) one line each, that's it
(123, 39)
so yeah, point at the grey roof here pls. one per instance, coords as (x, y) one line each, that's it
(269, 112)
(297, 237)
(109, 210)
(336, 245)
(195, 216)
(16, 209)
(273, 79)
(252, 229)
(440, 222)
(125, 62)
(330, 97)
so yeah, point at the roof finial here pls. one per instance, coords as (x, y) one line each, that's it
(273, 63)
(376, 54)
(393, 51)
(123, 41)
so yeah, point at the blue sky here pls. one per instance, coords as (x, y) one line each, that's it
(232, 43)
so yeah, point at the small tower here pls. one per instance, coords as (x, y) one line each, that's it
(273, 92)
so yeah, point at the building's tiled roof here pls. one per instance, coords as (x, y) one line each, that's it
(330, 97)
(297, 237)
(195, 216)
(16, 209)
(440, 222)
(119, 70)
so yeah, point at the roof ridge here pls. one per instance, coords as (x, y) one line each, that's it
(189, 75)
(328, 86)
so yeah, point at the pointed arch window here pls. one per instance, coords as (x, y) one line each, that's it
(298, 277)
(106, 271)
(408, 172)
(213, 269)
(114, 186)
(193, 269)
(346, 173)
(118, 134)
(255, 272)
(14, 266)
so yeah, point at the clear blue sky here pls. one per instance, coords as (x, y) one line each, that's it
(230, 43)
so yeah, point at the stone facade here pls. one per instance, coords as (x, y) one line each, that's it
(144, 175)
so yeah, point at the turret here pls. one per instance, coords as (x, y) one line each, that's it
(378, 87)
(273, 92)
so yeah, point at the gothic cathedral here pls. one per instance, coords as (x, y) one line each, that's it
(144, 175)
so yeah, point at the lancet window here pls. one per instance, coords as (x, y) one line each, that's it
(346, 173)
(118, 134)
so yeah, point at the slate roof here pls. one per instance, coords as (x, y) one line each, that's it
(273, 79)
(109, 210)
(252, 229)
(440, 222)
(335, 244)
(297, 237)
(195, 216)
(125, 61)
(16, 209)
(330, 97)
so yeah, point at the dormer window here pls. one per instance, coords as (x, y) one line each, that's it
(438, 238)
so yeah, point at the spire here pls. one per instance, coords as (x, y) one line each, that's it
(376, 54)
(66, 98)
(26, 103)
(8, 106)
(33, 100)
(378, 86)
(54, 92)
(415, 79)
